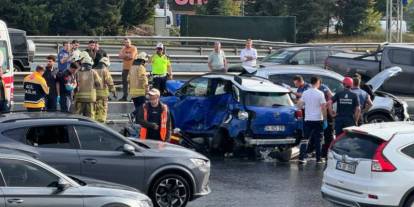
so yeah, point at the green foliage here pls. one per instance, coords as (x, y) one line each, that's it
(352, 13)
(372, 22)
(71, 17)
(219, 7)
(409, 16)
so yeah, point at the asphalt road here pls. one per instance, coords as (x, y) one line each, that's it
(238, 182)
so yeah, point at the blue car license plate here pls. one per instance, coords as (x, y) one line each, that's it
(346, 167)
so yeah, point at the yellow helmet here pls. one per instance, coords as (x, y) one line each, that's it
(105, 60)
(143, 56)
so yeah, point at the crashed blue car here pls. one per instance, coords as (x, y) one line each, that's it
(229, 111)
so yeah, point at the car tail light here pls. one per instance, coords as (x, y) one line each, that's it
(379, 162)
(336, 139)
(299, 114)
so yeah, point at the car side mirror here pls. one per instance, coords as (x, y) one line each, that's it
(63, 185)
(128, 149)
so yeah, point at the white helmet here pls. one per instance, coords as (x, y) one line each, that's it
(105, 60)
(142, 56)
(160, 45)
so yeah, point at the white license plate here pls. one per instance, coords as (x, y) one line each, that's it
(346, 167)
(274, 128)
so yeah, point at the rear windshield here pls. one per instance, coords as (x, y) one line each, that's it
(267, 99)
(279, 56)
(357, 145)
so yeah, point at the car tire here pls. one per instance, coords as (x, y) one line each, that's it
(377, 118)
(409, 202)
(284, 155)
(168, 189)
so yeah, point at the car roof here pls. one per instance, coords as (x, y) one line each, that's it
(384, 130)
(309, 47)
(17, 116)
(252, 84)
(13, 30)
(295, 69)
(15, 154)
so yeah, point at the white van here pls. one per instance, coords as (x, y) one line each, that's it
(6, 61)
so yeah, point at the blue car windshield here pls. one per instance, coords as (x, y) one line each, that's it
(267, 99)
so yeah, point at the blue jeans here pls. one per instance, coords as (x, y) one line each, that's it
(313, 133)
(65, 103)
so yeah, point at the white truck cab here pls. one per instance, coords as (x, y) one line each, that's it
(6, 62)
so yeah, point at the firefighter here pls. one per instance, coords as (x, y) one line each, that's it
(35, 90)
(138, 81)
(102, 93)
(88, 80)
(154, 118)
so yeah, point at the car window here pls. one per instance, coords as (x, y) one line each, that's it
(281, 79)
(356, 146)
(196, 87)
(399, 56)
(42, 136)
(97, 139)
(333, 84)
(18, 173)
(279, 56)
(320, 56)
(302, 58)
(267, 99)
(221, 87)
(409, 150)
(18, 42)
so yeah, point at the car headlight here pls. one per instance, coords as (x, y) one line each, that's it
(200, 163)
(243, 115)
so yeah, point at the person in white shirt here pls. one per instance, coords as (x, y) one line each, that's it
(314, 103)
(217, 59)
(248, 55)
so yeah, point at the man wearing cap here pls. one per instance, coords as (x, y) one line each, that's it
(217, 59)
(102, 93)
(138, 81)
(154, 118)
(35, 90)
(128, 54)
(88, 80)
(161, 68)
(347, 108)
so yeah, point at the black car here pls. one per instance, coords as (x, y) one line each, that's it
(23, 50)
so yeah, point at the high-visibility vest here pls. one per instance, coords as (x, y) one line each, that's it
(160, 64)
(36, 89)
(163, 127)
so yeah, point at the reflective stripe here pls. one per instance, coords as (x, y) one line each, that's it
(102, 92)
(134, 92)
(86, 96)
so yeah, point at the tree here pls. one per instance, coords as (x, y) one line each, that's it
(351, 14)
(265, 7)
(219, 7)
(135, 12)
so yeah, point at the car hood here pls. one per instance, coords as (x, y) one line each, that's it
(90, 182)
(379, 79)
(167, 149)
(173, 85)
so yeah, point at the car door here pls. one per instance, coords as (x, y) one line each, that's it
(102, 157)
(320, 57)
(303, 57)
(190, 110)
(54, 142)
(30, 185)
(403, 58)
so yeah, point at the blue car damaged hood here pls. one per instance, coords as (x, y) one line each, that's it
(173, 85)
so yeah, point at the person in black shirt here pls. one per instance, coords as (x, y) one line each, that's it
(67, 84)
(99, 54)
(348, 107)
(50, 76)
(154, 118)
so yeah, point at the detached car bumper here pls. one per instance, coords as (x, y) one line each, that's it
(264, 142)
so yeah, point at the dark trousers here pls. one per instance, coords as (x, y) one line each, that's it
(313, 132)
(65, 103)
(328, 135)
(138, 102)
(34, 109)
(51, 103)
(160, 84)
(125, 83)
(343, 122)
(3, 106)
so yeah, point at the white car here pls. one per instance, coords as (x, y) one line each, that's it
(386, 107)
(371, 165)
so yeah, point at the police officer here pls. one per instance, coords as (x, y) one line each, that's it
(35, 88)
(102, 93)
(161, 69)
(88, 80)
(154, 118)
(138, 81)
(348, 107)
(364, 98)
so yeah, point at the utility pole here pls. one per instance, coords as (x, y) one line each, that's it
(394, 20)
(242, 7)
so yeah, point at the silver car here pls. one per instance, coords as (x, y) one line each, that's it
(27, 182)
(386, 107)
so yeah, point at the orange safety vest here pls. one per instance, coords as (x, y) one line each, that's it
(163, 127)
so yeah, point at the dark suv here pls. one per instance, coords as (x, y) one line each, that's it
(23, 50)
